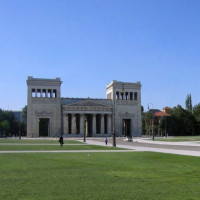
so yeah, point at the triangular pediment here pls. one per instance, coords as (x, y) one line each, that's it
(87, 103)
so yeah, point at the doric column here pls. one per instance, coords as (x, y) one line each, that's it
(109, 123)
(40, 92)
(73, 123)
(94, 129)
(82, 118)
(35, 92)
(46, 93)
(102, 123)
(65, 124)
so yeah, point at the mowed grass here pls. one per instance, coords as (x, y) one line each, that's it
(38, 141)
(178, 138)
(12, 147)
(39, 145)
(97, 176)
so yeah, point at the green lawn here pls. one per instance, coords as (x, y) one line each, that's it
(37, 141)
(54, 147)
(99, 176)
(178, 138)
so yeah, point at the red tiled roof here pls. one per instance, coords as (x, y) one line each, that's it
(167, 108)
(161, 114)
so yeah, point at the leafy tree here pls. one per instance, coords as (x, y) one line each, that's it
(24, 121)
(163, 125)
(8, 123)
(196, 113)
(4, 126)
(188, 103)
(181, 122)
(142, 109)
(147, 119)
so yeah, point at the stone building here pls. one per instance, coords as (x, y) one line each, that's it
(49, 115)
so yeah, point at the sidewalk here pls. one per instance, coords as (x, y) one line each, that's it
(150, 141)
(130, 145)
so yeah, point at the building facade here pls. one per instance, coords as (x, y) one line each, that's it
(49, 115)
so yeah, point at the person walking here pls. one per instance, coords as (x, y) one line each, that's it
(61, 141)
(106, 140)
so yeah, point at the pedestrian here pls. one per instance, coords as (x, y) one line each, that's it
(61, 141)
(106, 140)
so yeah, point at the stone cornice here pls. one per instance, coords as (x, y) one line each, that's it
(42, 81)
(87, 103)
(86, 108)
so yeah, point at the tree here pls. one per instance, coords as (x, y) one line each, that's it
(9, 125)
(163, 125)
(188, 103)
(196, 113)
(142, 109)
(24, 121)
(181, 122)
(4, 127)
(147, 119)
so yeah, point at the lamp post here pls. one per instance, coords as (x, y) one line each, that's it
(114, 134)
(152, 122)
(114, 139)
(19, 131)
(20, 123)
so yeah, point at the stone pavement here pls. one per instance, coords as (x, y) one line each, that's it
(139, 144)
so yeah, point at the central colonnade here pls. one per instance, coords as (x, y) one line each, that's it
(92, 124)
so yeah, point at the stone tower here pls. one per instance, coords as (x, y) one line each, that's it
(126, 107)
(44, 107)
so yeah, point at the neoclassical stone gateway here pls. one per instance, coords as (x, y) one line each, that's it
(49, 115)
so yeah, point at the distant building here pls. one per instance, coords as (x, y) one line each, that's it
(153, 111)
(50, 115)
(164, 113)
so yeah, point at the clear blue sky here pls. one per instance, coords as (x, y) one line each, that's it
(89, 43)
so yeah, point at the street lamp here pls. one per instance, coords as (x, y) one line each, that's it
(114, 134)
(152, 122)
(19, 131)
(20, 123)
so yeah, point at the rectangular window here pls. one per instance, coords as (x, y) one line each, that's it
(117, 95)
(126, 95)
(43, 93)
(49, 93)
(33, 93)
(122, 95)
(38, 93)
(54, 94)
(131, 96)
(135, 96)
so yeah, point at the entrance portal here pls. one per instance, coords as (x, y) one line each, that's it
(126, 127)
(88, 125)
(44, 127)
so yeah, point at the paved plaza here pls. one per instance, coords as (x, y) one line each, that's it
(140, 144)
